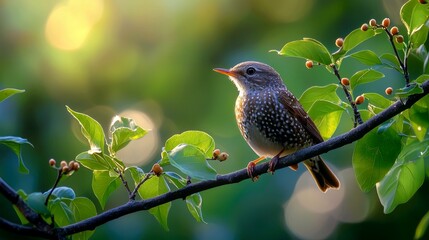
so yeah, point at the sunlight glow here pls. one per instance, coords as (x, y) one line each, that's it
(69, 23)
(140, 151)
(311, 214)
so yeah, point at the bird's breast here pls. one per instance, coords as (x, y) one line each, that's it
(267, 125)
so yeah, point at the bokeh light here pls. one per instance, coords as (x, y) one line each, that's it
(311, 214)
(70, 22)
(284, 11)
(140, 151)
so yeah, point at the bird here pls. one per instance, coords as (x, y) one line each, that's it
(273, 122)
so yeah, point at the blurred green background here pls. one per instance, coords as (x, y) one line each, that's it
(152, 61)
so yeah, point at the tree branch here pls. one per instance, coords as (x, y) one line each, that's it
(238, 176)
(34, 218)
(234, 177)
(23, 230)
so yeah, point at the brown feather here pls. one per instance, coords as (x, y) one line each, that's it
(295, 108)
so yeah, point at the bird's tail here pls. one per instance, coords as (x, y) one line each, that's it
(321, 173)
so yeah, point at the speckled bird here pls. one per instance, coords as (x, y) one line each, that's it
(273, 122)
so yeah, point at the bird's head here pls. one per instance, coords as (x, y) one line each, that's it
(252, 76)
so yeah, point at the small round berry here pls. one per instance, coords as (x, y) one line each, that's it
(394, 30)
(216, 153)
(71, 164)
(388, 91)
(399, 39)
(65, 169)
(423, 1)
(386, 22)
(372, 23)
(63, 163)
(76, 166)
(360, 99)
(345, 81)
(157, 169)
(309, 64)
(52, 162)
(339, 42)
(223, 156)
(364, 27)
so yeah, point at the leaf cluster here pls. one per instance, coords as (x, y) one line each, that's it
(394, 157)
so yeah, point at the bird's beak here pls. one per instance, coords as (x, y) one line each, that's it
(225, 71)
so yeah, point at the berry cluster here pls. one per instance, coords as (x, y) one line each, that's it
(394, 31)
(66, 168)
(218, 155)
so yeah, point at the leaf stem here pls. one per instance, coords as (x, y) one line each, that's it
(357, 117)
(124, 181)
(60, 174)
(402, 64)
(133, 194)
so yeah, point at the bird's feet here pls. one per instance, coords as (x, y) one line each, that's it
(273, 163)
(251, 168)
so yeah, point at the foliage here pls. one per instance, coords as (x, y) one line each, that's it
(14, 143)
(187, 152)
(390, 158)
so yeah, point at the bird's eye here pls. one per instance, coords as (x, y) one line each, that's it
(250, 71)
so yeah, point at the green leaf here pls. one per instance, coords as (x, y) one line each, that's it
(153, 187)
(123, 131)
(376, 102)
(8, 92)
(419, 36)
(413, 15)
(374, 155)
(422, 226)
(21, 216)
(82, 208)
(175, 179)
(326, 115)
(36, 201)
(422, 78)
(91, 130)
(191, 161)
(400, 183)
(201, 140)
(364, 76)
(366, 57)
(15, 143)
(194, 203)
(390, 60)
(63, 216)
(93, 161)
(406, 91)
(103, 185)
(353, 39)
(418, 116)
(62, 192)
(316, 93)
(308, 49)
(136, 173)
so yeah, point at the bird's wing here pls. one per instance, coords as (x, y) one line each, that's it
(295, 108)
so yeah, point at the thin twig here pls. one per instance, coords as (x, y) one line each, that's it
(357, 117)
(134, 193)
(403, 64)
(124, 181)
(60, 174)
